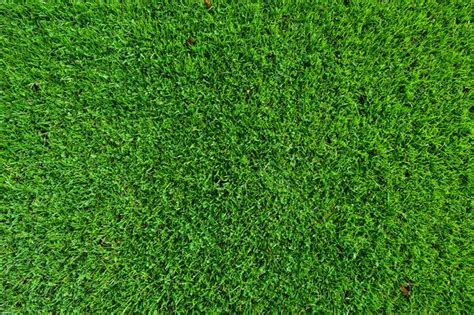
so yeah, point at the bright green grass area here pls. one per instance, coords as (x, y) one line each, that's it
(301, 156)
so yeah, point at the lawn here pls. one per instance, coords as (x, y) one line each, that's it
(259, 156)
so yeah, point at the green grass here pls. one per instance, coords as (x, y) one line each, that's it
(300, 156)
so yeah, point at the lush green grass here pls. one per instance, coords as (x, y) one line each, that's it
(301, 155)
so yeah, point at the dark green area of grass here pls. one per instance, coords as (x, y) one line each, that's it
(301, 155)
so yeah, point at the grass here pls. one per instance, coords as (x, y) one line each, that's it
(298, 156)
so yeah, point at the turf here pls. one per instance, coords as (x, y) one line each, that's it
(294, 156)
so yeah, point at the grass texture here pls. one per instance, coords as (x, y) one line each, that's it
(294, 156)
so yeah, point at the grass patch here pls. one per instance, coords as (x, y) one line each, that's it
(260, 155)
